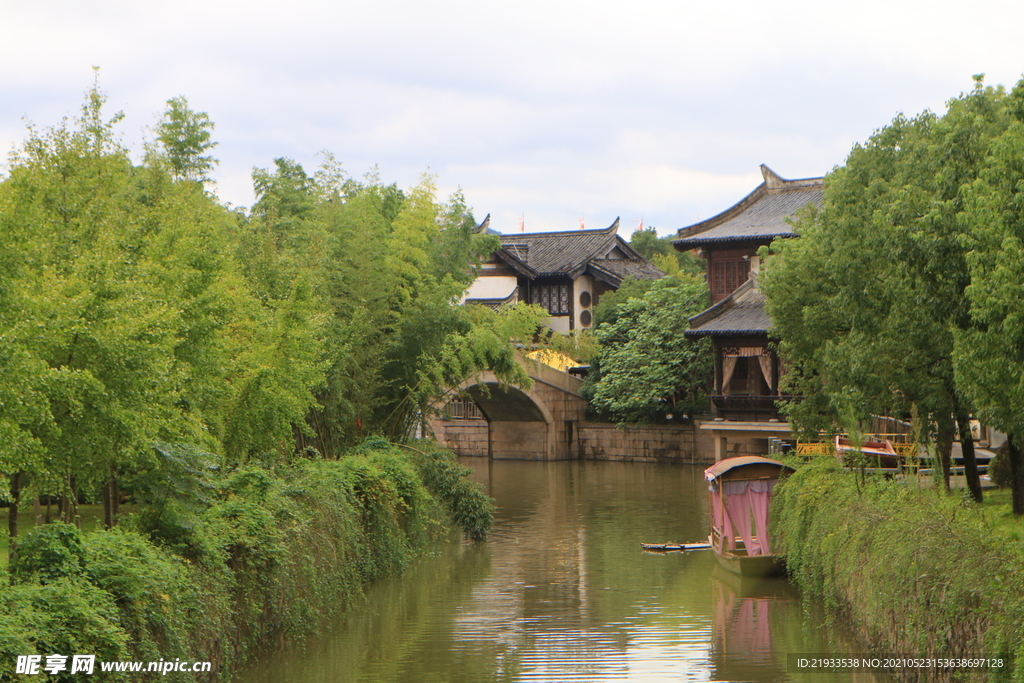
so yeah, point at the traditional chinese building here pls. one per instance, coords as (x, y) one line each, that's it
(564, 272)
(746, 382)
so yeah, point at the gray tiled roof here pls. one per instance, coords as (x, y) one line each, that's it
(620, 269)
(496, 303)
(742, 312)
(760, 216)
(569, 253)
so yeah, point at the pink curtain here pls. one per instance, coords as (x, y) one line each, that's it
(759, 506)
(739, 510)
(722, 521)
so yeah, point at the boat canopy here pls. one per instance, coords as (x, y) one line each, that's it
(740, 490)
(731, 465)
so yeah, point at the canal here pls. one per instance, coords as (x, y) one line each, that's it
(562, 592)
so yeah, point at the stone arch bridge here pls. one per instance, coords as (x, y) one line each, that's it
(535, 424)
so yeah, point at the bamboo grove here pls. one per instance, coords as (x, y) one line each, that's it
(141, 319)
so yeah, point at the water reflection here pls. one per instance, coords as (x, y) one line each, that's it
(562, 592)
(743, 611)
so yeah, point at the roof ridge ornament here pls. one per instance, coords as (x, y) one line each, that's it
(484, 225)
(613, 229)
(772, 179)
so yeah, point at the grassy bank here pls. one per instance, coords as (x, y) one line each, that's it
(914, 571)
(254, 558)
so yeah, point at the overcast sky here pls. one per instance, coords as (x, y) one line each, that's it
(549, 111)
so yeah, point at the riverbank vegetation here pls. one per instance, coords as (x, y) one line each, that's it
(902, 297)
(254, 556)
(902, 294)
(913, 572)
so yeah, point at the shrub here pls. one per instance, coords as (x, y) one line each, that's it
(66, 616)
(470, 508)
(48, 553)
(913, 570)
(168, 607)
(999, 468)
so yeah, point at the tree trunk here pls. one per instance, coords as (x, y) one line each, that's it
(12, 511)
(69, 503)
(944, 443)
(110, 499)
(963, 422)
(1016, 459)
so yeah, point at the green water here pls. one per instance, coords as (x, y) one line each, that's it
(562, 592)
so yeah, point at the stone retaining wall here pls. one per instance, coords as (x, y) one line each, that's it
(594, 441)
(464, 437)
(644, 443)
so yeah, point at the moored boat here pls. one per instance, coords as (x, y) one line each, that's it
(880, 454)
(739, 491)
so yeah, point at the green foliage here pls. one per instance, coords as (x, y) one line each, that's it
(660, 252)
(869, 301)
(64, 617)
(279, 554)
(999, 469)
(913, 571)
(646, 367)
(185, 136)
(609, 309)
(469, 507)
(169, 608)
(989, 352)
(47, 554)
(136, 310)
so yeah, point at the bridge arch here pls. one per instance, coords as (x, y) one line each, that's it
(538, 423)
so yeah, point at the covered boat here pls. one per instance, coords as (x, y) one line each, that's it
(740, 490)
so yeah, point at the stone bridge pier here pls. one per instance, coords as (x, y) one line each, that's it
(537, 424)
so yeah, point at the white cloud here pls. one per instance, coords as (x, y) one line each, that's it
(557, 109)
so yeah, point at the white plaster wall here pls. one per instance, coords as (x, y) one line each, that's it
(490, 287)
(559, 323)
(584, 283)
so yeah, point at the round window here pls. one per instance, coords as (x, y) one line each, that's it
(585, 299)
(585, 318)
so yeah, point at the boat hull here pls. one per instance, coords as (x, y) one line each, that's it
(756, 565)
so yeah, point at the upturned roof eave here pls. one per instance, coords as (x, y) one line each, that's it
(773, 183)
(687, 243)
(516, 263)
(716, 220)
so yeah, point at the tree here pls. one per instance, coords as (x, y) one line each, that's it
(660, 252)
(989, 353)
(868, 301)
(185, 136)
(646, 367)
(92, 334)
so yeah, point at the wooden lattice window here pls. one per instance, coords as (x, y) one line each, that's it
(553, 298)
(727, 275)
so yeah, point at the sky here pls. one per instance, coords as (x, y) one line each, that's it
(548, 115)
